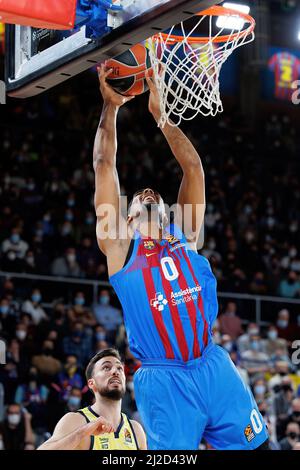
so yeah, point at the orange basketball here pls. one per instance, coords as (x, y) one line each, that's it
(128, 75)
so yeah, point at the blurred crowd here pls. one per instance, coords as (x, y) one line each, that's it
(47, 352)
(47, 226)
(47, 219)
(49, 348)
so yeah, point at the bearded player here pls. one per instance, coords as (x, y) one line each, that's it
(187, 387)
(101, 426)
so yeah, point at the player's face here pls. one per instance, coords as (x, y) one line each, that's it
(109, 378)
(145, 199)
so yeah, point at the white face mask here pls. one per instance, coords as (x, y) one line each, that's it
(21, 334)
(14, 419)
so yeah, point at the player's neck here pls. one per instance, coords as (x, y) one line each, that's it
(109, 409)
(150, 230)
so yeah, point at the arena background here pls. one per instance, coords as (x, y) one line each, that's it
(56, 306)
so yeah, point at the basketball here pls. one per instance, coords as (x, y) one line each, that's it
(128, 75)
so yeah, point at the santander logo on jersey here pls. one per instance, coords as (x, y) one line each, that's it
(159, 302)
(177, 298)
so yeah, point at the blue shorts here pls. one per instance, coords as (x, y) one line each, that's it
(181, 403)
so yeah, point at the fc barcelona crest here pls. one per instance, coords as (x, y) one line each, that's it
(149, 245)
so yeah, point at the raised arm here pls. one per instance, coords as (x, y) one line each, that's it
(73, 433)
(191, 196)
(107, 187)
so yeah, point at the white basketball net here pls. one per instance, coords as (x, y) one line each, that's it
(187, 73)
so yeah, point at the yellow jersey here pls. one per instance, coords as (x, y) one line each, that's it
(123, 439)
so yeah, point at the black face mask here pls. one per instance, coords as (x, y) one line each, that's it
(296, 414)
(286, 388)
(293, 435)
(263, 412)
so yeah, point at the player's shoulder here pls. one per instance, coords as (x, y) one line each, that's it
(136, 425)
(139, 433)
(75, 418)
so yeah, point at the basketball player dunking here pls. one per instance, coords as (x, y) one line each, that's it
(187, 387)
(101, 426)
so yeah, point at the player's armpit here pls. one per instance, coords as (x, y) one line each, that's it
(140, 435)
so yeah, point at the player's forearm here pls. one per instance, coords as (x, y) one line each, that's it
(183, 150)
(105, 145)
(69, 442)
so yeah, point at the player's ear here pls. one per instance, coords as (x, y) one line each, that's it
(91, 384)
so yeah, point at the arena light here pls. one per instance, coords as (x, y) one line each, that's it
(232, 22)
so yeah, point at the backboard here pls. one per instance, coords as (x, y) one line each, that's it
(39, 59)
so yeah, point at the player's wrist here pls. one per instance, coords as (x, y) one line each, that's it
(156, 115)
(109, 104)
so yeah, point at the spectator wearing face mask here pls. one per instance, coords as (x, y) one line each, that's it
(259, 390)
(254, 360)
(33, 307)
(14, 244)
(79, 312)
(74, 400)
(7, 318)
(16, 430)
(243, 342)
(30, 264)
(286, 329)
(66, 266)
(100, 334)
(227, 343)
(109, 317)
(273, 342)
(290, 286)
(78, 344)
(230, 323)
(292, 437)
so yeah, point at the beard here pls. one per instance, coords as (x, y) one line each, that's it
(112, 394)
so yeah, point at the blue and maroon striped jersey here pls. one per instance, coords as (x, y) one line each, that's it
(168, 294)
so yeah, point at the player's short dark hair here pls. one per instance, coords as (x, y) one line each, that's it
(104, 353)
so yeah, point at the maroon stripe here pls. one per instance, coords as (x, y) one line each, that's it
(157, 316)
(200, 300)
(190, 306)
(179, 331)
